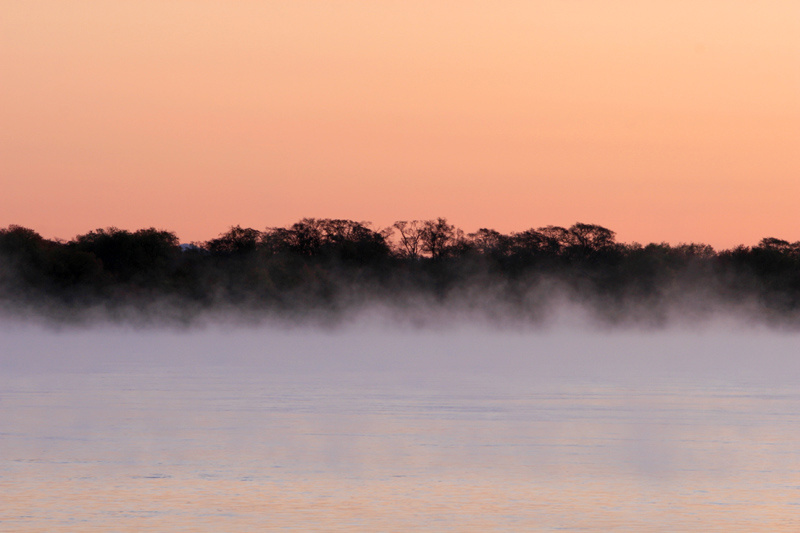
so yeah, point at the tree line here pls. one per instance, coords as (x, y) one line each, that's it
(330, 265)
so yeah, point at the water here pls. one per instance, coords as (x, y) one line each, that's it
(376, 429)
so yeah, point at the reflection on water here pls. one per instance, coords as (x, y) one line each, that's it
(262, 430)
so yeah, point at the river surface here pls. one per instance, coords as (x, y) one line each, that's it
(370, 428)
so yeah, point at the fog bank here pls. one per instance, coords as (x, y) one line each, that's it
(452, 354)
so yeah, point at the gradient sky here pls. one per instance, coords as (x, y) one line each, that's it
(665, 120)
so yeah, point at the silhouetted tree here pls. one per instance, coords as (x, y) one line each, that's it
(489, 241)
(18, 240)
(22, 258)
(410, 237)
(437, 235)
(145, 254)
(237, 240)
(332, 238)
(591, 236)
(318, 264)
(557, 238)
(74, 270)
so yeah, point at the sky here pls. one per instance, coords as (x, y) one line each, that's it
(665, 120)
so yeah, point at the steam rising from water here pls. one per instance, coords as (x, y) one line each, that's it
(721, 350)
(385, 425)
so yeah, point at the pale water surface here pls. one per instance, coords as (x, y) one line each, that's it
(374, 428)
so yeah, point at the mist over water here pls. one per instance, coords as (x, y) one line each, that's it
(375, 424)
(383, 343)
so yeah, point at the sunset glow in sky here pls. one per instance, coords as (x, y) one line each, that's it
(665, 120)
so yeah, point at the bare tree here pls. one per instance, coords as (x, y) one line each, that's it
(410, 237)
(437, 236)
(556, 238)
(489, 241)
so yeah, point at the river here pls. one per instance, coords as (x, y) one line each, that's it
(378, 428)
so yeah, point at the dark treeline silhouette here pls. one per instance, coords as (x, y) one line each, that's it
(326, 266)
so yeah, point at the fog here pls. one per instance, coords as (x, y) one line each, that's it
(418, 274)
(381, 423)
(570, 348)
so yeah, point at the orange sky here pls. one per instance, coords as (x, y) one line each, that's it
(665, 120)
